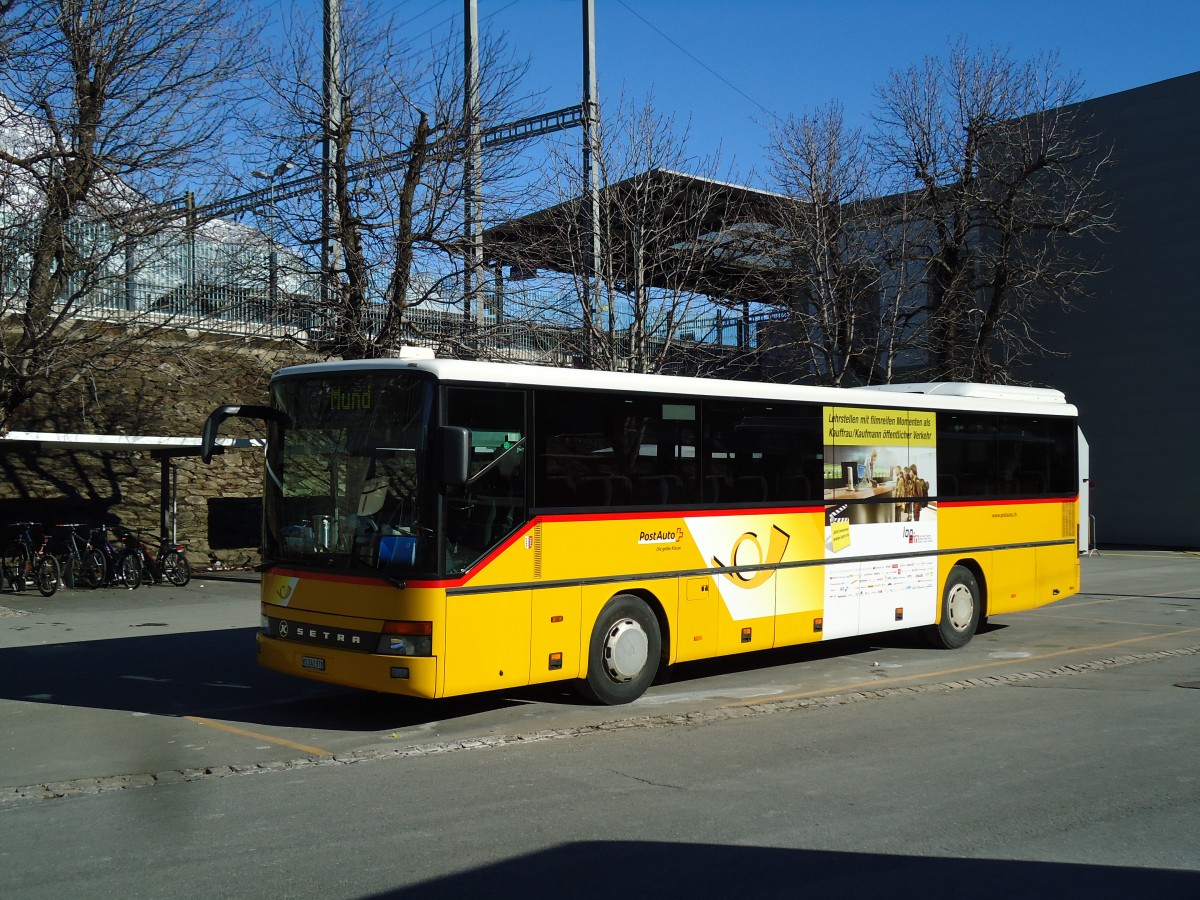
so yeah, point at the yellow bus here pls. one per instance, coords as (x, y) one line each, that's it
(440, 527)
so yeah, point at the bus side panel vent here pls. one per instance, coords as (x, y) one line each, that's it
(537, 552)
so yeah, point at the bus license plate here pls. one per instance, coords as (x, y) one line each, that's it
(312, 662)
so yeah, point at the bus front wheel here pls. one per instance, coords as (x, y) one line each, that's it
(962, 610)
(624, 651)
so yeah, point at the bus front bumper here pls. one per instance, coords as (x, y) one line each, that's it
(411, 676)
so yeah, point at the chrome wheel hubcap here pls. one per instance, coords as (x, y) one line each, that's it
(960, 607)
(626, 650)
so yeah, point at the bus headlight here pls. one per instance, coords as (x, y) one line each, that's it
(406, 639)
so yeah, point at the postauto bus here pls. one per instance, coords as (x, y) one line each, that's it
(440, 527)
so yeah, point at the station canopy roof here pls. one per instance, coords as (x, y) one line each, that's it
(159, 446)
(698, 235)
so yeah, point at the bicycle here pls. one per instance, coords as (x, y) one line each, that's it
(121, 566)
(79, 557)
(172, 564)
(24, 562)
(168, 564)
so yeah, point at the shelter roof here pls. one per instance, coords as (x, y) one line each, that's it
(666, 230)
(162, 446)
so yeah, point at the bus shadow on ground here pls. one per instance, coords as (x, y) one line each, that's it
(664, 870)
(210, 674)
(844, 648)
(213, 674)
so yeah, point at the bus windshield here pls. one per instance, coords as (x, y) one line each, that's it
(346, 484)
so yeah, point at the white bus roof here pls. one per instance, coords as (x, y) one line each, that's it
(976, 391)
(997, 398)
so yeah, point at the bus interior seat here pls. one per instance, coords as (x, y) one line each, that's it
(560, 491)
(751, 489)
(605, 490)
(658, 490)
(713, 488)
(1032, 483)
(797, 487)
(476, 530)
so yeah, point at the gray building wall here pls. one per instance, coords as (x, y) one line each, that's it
(1133, 366)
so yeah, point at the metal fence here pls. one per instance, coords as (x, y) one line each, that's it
(230, 279)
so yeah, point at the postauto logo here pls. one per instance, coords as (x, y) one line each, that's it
(661, 536)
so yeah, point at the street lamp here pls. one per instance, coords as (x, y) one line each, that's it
(272, 222)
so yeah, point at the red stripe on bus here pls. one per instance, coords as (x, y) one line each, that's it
(1010, 502)
(679, 514)
(610, 517)
(520, 534)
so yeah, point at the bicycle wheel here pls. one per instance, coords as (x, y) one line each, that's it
(149, 574)
(130, 572)
(46, 573)
(92, 568)
(175, 568)
(17, 570)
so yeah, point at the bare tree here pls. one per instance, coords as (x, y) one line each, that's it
(106, 107)
(850, 309)
(396, 167)
(1000, 181)
(660, 240)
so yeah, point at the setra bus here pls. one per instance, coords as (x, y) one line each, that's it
(439, 527)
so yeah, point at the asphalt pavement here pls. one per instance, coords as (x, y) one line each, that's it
(112, 688)
(143, 753)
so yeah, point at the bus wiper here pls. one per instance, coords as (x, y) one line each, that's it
(378, 573)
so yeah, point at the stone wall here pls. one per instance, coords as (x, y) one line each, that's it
(165, 392)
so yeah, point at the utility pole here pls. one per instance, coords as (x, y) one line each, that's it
(331, 253)
(472, 161)
(591, 174)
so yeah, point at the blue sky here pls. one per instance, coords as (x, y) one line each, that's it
(727, 65)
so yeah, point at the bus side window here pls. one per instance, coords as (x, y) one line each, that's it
(606, 450)
(758, 452)
(491, 505)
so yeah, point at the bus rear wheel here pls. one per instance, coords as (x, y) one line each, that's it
(962, 610)
(624, 652)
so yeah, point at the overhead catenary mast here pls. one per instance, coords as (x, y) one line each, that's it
(472, 176)
(332, 75)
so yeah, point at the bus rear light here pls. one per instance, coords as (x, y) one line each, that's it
(406, 639)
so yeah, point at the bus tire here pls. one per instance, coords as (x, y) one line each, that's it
(962, 609)
(624, 652)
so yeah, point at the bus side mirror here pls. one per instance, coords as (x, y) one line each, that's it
(456, 454)
(208, 439)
